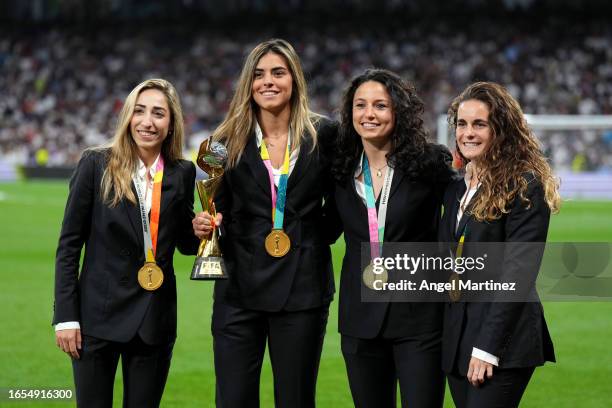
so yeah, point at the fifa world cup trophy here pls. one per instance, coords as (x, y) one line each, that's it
(209, 264)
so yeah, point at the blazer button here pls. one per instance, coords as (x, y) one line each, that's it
(125, 252)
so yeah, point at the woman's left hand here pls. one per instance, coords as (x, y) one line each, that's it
(477, 370)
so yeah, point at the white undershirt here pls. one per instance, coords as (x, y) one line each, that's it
(292, 158)
(470, 192)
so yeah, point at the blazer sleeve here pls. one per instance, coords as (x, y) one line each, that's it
(444, 173)
(223, 204)
(327, 134)
(187, 243)
(521, 264)
(75, 230)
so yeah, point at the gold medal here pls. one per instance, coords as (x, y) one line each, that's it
(369, 277)
(455, 293)
(277, 243)
(150, 276)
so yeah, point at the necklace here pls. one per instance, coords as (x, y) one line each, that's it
(379, 171)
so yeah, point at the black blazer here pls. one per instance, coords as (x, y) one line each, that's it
(413, 215)
(303, 278)
(105, 297)
(515, 332)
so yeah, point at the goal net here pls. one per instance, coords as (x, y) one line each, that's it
(579, 148)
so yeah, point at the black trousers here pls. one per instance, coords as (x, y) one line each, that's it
(375, 365)
(504, 390)
(294, 340)
(145, 370)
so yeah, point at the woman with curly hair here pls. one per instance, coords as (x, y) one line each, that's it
(490, 349)
(389, 186)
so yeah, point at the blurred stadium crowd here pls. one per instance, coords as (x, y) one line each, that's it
(61, 89)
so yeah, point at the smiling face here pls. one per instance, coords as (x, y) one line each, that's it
(473, 132)
(373, 116)
(150, 121)
(272, 83)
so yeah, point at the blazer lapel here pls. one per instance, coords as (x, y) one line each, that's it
(168, 183)
(133, 212)
(258, 169)
(466, 216)
(454, 207)
(398, 175)
(301, 164)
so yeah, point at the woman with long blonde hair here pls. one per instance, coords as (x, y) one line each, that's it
(490, 350)
(275, 234)
(130, 204)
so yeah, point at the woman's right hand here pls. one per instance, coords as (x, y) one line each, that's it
(203, 224)
(69, 341)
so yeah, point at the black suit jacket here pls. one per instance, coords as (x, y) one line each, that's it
(413, 215)
(303, 278)
(105, 297)
(514, 332)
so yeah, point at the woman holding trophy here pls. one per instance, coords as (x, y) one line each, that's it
(131, 205)
(275, 239)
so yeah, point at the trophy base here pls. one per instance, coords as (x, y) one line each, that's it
(208, 268)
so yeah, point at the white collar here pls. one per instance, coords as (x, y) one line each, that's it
(259, 134)
(358, 169)
(142, 169)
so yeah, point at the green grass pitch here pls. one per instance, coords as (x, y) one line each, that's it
(30, 218)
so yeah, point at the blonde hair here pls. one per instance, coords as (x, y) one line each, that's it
(122, 157)
(513, 152)
(239, 122)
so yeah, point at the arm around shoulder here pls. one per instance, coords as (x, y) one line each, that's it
(187, 242)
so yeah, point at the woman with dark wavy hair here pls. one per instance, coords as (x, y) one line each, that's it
(389, 186)
(490, 350)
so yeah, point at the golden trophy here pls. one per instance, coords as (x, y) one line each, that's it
(209, 264)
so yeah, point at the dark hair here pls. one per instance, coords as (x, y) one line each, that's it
(410, 151)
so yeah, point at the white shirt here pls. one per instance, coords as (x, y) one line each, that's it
(292, 159)
(146, 184)
(465, 200)
(360, 185)
(147, 187)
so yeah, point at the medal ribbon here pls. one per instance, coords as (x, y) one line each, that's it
(278, 199)
(150, 231)
(376, 222)
(459, 250)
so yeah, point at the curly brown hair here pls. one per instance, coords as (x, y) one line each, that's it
(410, 150)
(513, 154)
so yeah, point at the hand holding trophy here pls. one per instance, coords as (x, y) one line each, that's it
(209, 264)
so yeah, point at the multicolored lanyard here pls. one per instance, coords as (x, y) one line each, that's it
(278, 199)
(150, 230)
(376, 222)
(459, 251)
